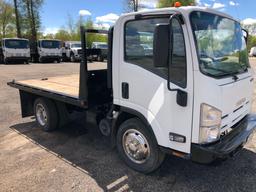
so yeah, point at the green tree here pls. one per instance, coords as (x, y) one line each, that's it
(251, 41)
(17, 18)
(63, 35)
(6, 18)
(131, 5)
(170, 3)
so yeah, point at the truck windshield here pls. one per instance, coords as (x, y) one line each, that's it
(77, 45)
(16, 44)
(48, 44)
(220, 44)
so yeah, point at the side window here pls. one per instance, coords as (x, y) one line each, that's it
(138, 48)
(178, 63)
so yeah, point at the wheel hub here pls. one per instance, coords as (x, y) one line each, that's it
(41, 114)
(136, 146)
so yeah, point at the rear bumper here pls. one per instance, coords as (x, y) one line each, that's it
(228, 145)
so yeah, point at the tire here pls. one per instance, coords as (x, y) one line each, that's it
(6, 61)
(100, 58)
(134, 128)
(40, 60)
(58, 60)
(50, 113)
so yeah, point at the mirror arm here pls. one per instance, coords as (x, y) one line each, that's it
(247, 35)
(181, 97)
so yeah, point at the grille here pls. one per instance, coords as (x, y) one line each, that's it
(230, 120)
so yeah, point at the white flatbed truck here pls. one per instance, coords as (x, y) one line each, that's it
(190, 97)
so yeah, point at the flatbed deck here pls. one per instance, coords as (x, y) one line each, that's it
(63, 88)
(63, 85)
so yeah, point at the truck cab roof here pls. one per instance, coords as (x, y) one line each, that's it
(185, 10)
(49, 40)
(15, 38)
(72, 42)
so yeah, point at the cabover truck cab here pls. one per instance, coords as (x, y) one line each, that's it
(190, 97)
(14, 49)
(47, 50)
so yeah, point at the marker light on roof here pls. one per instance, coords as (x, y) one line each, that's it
(177, 4)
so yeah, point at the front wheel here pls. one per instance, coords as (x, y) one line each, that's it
(6, 61)
(138, 147)
(72, 58)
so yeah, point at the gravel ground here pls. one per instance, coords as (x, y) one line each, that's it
(78, 158)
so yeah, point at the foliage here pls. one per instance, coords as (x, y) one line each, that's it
(170, 3)
(251, 42)
(6, 19)
(72, 32)
(131, 5)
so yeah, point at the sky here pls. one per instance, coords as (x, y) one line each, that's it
(105, 12)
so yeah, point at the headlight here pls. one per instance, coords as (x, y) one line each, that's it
(210, 121)
(7, 54)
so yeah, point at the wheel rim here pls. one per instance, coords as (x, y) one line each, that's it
(41, 114)
(136, 146)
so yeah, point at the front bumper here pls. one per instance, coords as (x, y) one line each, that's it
(17, 58)
(228, 145)
(50, 57)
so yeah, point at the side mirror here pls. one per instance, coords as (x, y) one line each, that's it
(161, 45)
(182, 98)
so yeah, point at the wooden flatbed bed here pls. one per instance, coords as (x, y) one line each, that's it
(66, 88)
(63, 85)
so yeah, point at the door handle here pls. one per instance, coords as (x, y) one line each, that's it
(125, 90)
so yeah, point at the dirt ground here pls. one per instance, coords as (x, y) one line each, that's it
(78, 158)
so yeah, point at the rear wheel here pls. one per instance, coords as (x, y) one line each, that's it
(46, 114)
(138, 147)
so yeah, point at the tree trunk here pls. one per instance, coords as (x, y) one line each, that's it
(34, 31)
(17, 19)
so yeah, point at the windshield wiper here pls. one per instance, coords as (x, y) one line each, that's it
(225, 73)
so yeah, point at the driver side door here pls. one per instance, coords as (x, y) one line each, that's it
(144, 86)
